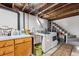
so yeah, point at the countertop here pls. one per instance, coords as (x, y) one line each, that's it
(14, 37)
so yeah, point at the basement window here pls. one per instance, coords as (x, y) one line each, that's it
(9, 18)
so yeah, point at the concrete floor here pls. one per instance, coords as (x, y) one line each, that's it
(52, 50)
(75, 51)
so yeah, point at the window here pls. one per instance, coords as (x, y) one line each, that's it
(9, 18)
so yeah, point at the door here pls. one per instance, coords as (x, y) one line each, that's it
(29, 50)
(23, 47)
(20, 49)
(28, 42)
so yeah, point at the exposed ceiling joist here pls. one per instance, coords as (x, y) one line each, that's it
(58, 8)
(71, 12)
(48, 14)
(47, 8)
(38, 7)
(66, 9)
(25, 6)
(67, 13)
(13, 5)
(1, 5)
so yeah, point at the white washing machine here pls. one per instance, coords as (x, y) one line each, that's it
(47, 42)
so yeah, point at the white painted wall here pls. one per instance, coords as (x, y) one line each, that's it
(71, 24)
(34, 23)
(8, 18)
(21, 20)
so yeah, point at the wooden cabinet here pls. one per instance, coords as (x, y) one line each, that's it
(6, 47)
(23, 48)
(19, 40)
(28, 42)
(9, 54)
(20, 49)
(29, 50)
(16, 47)
(9, 49)
(6, 43)
(2, 51)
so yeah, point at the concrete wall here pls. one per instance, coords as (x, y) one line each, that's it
(34, 24)
(9, 18)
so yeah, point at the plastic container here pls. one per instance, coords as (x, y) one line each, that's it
(38, 50)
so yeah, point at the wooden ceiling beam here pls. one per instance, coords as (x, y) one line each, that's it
(67, 13)
(53, 12)
(47, 8)
(64, 10)
(3, 6)
(66, 16)
(38, 7)
(71, 12)
(52, 9)
(58, 8)
(27, 4)
(13, 5)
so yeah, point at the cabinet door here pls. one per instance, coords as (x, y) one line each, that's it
(9, 49)
(29, 50)
(29, 46)
(2, 50)
(20, 49)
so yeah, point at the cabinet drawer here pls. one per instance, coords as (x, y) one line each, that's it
(6, 43)
(28, 39)
(29, 43)
(9, 42)
(9, 49)
(20, 49)
(17, 41)
(29, 50)
(9, 54)
(2, 43)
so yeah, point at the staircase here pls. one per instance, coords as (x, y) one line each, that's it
(58, 28)
(70, 38)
